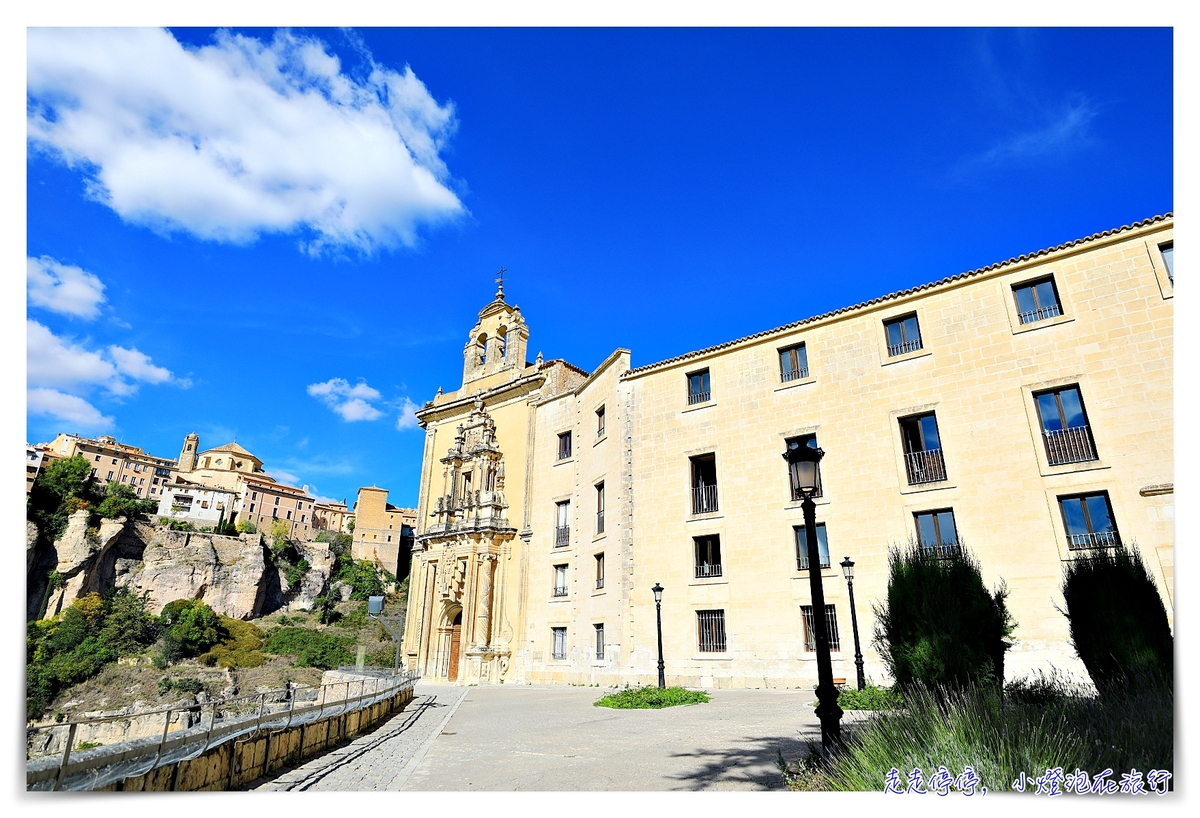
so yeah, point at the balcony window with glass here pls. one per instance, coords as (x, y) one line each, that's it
(710, 626)
(698, 387)
(560, 580)
(810, 628)
(802, 547)
(564, 445)
(936, 531)
(903, 335)
(708, 556)
(794, 443)
(1037, 300)
(923, 461)
(560, 643)
(1089, 521)
(704, 484)
(1065, 429)
(562, 523)
(599, 571)
(793, 363)
(599, 508)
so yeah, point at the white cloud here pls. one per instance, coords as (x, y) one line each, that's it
(351, 402)
(63, 288)
(408, 415)
(241, 137)
(68, 408)
(137, 365)
(284, 476)
(57, 363)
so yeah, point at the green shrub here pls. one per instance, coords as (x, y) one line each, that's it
(325, 608)
(189, 628)
(1117, 619)
(240, 646)
(651, 698)
(120, 500)
(356, 619)
(365, 578)
(939, 625)
(185, 684)
(870, 698)
(63, 487)
(311, 648)
(246, 527)
(296, 572)
(176, 525)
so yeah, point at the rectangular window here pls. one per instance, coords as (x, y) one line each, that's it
(97, 458)
(1168, 256)
(1089, 521)
(923, 461)
(254, 495)
(276, 501)
(802, 547)
(1065, 428)
(560, 580)
(599, 641)
(600, 422)
(698, 387)
(562, 523)
(708, 556)
(810, 629)
(154, 491)
(124, 477)
(564, 445)
(599, 571)
(1037, 300)
(154, 481)
(936, 530)
(794, 443)
(110, 474)
(599, 508)
(704, 484)
(274, 512)
(560, 643)
(252, 506)
(903, 335)
(204, 504)
(303, 517)
(141, 481)
(710, 626)
(793, 363)
(289, 514)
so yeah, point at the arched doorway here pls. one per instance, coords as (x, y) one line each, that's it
(455, 647)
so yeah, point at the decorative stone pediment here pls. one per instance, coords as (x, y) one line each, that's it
(472, 497)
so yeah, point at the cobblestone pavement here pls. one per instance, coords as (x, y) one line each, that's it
(553, 738)
(380, 760)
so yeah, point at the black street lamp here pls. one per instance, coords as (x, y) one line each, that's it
(848, 569)
(802, 462)
(658, 589)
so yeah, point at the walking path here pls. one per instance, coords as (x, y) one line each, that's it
(553, 738)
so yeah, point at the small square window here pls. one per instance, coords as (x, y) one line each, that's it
(802, 547)
(564, 445)
(710, 626)
(793, 363)
(1037, 300)
(903, 335)
(698, 387)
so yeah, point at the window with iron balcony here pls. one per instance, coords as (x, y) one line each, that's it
(704, 484)
(903, 335)
(564, 445)
(801, 533)
(698, 387)
(560, 580)
(599, 508)
(1088, 519)
(560, 643)
(793, 363)
(599, 571)
(1065, 430)
(923, 461)
(937, 532)
(562, 523)
(1037, 300)
(600, 422)
(708, 556)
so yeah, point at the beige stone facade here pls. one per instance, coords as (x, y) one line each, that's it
(117, 462)
(1023, 410)
(383, 533)
(330, 517)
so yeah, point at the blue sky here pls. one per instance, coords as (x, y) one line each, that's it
(283, 237)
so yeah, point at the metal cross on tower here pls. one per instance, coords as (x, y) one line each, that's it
(500, 283)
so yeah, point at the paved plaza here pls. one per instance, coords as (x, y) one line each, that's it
(553, 738)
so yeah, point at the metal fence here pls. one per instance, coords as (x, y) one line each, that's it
(704, 499)
(925, 467)
(55, 762)
(1072, 445)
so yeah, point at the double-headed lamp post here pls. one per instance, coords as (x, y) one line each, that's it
(802, 462)
(658, 589)
(848, 569)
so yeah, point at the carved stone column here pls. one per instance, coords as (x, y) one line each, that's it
(483, 618)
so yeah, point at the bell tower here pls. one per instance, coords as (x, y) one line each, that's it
(187, 456)
(498, 340)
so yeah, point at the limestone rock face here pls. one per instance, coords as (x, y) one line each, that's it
(31, 538)
(226, 573)
(315, 582)
(79, 554)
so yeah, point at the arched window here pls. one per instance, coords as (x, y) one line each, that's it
(502, 341)
(483, 349)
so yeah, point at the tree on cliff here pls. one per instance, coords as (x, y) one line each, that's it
(62, 488)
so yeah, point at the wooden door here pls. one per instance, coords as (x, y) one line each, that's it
(455, 638)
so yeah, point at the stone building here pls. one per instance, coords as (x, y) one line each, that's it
(117, 462)
(196, 504)
(1023, 410)
(330, 517)
(383, 533)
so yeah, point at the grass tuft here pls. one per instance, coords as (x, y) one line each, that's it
(651, 698)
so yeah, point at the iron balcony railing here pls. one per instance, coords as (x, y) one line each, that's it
(599, 583)
(1073, 445)
(562, 535)
(558, 655)
(599, 522)
(944, 550)
(802, 561)
(795, 374)
(907, 346)
(564, 451)
(1093, 539)
(560, 590)
(704, 499)
(1039, 314)
(711, 627)
(925, 467)
(707, 569)
(697, 397)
